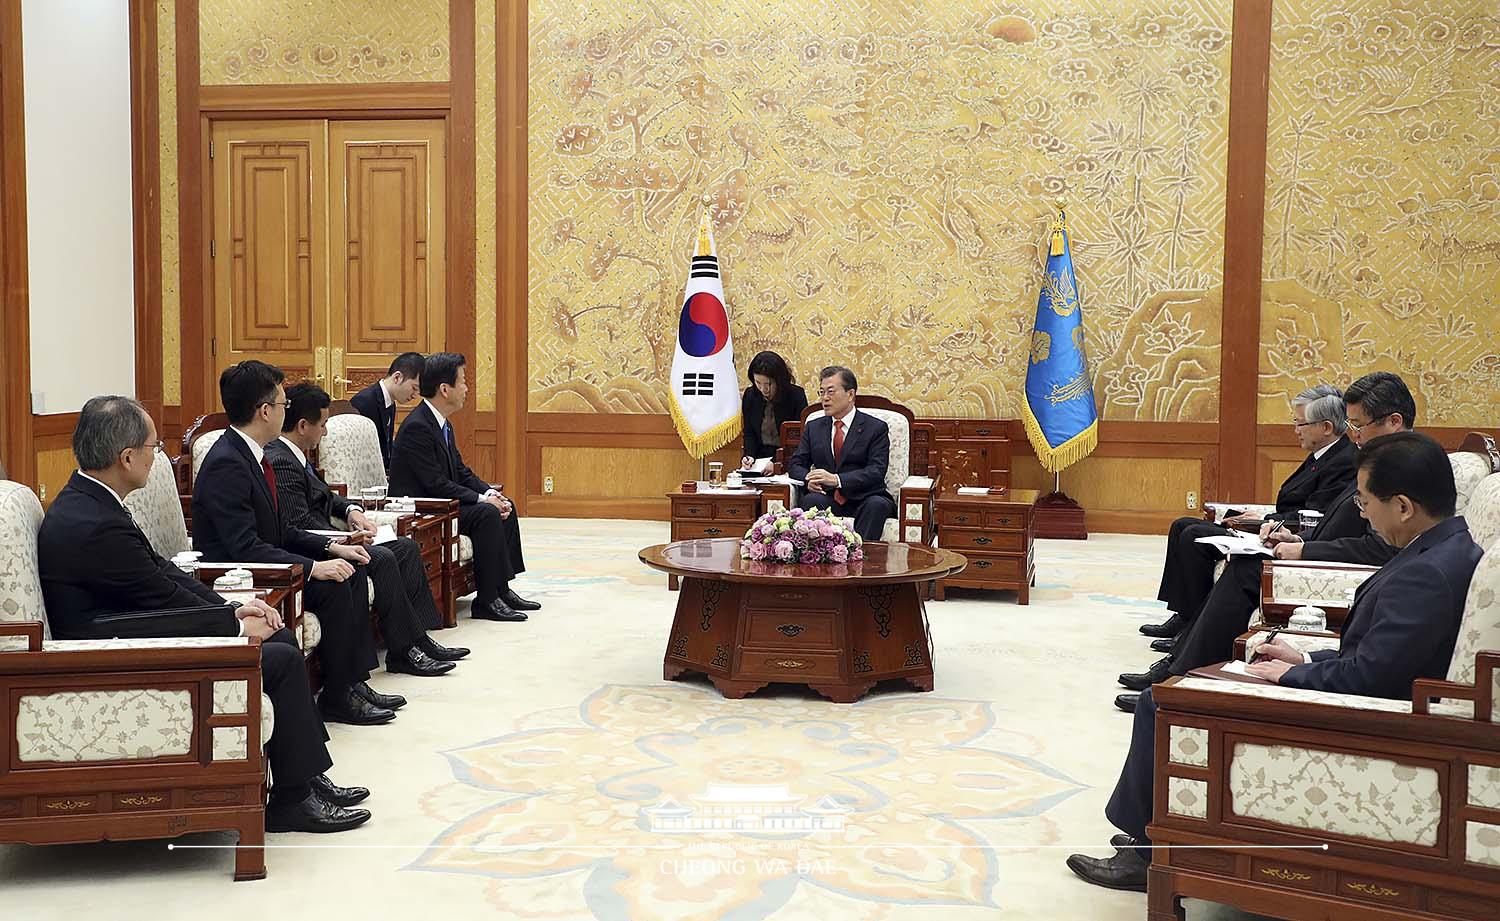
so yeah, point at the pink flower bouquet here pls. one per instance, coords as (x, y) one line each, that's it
(798, 536)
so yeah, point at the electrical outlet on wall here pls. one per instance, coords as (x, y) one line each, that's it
(1192, 500)
(547, 485)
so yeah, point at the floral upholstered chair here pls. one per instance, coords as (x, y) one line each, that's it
(914, 494)
(1363, 807)
(121, 739)
(350, 455)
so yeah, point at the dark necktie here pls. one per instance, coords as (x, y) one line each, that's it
(448, 435)
(265, 466)
(390, 422)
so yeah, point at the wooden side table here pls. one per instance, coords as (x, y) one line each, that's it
(996, 534)
(706, 514)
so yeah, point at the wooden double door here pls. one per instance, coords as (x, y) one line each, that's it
(327, 246)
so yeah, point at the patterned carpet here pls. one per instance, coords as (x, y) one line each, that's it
(554, 775)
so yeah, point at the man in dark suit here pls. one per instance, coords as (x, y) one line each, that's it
(236, 516)
(1402, 626)
(403, 601)
(102, 579)
(377, 402)
(1188, 572)
(843, 457)
(1376, 404)
(425, 461)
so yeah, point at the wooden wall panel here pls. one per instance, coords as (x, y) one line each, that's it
(1129, 493)
(15, 307)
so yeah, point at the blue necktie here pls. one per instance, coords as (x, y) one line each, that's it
(448, 435)
(311, 471)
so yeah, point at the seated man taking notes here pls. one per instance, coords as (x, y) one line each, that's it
(843, 456)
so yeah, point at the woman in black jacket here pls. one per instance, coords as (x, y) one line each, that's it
(771, 386)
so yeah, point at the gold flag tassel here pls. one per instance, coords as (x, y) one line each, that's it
(1057, 232)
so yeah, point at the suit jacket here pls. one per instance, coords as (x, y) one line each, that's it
(1344, 536)
(235, 518)
(1404, 621)
(370, 402)
(306, 501)
(102, 579)
(1318, 481)
(861, 465)
(422, 463)
(788, 408)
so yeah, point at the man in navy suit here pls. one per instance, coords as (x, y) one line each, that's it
(425, 461)
(101, 579)
(237, 516)
(1402, 626)
(843, 456)
(377, 402)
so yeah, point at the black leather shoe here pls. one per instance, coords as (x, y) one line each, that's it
(313, 815)
(517, 603)
(1126, 870)
(333, 794)
(1158, 671)
(353, 709)
(1165, 644)
(392, 702)
(440, 652)
(1169, 627)
(1121, 841)
(495, 610)
(416, 662)
(1127, 702)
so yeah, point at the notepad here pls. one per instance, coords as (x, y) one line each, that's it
(973, 491)
(1237, 545)
(384, 534)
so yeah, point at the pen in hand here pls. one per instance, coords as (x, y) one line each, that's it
(1271, 638)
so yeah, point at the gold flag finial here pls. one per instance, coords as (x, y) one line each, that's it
(705, 232)
(1059, 224)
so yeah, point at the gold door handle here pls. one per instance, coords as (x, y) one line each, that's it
(320, 363)
(338, 370)
(342, 380)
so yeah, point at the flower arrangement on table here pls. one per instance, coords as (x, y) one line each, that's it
(799, 536)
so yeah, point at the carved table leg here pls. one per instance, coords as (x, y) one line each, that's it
(921, 682)
(672, 672)
(250, 856)
(843, 693)
(735, 690)
(671, 583)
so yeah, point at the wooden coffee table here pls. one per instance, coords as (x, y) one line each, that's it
(837, 628)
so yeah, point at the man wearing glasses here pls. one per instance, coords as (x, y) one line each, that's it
(236, 517)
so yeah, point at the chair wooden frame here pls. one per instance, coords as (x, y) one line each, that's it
(921, 463)
(164, 797)
(1354, 878)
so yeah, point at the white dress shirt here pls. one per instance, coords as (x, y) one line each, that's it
(385, 391)
(256, 448)
(1318, 454)
(296, 451)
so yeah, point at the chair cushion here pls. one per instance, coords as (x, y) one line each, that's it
(158, 510)
(201, 445)
(126, 724)
(1316, 584)
(312, 632)
(465, 549)
(1480, 628)
(350, 453)
(267, 719)
(20, 585)
(1483, 511)
(1468, 470)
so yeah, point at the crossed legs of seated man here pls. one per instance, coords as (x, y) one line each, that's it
(497, 560)
(869, 513)
(347, 652)
(303, 798)
(1187, 573)
(403, 607)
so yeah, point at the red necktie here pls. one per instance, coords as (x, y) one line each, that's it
(838, 449)
(265, 467)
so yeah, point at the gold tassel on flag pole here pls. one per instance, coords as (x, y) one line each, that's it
(1058, 226)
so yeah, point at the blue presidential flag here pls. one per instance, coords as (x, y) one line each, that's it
(1059, 408)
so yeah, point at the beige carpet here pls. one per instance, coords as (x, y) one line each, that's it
(543, 778)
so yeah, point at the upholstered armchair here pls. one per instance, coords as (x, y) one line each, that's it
(1355, 807)
(350, 455)
(907, 477)
(121, 739)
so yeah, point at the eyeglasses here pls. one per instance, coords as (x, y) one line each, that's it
(152, 447)
(1361, 426)
(1298, 425)
(274, 403)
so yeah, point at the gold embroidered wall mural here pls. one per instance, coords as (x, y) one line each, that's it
(323, 41)
(1382, 247)
(881, 178)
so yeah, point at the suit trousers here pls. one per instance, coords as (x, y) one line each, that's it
(297, 749)
(1188, 573)
(1225, 615)
(869, 513)
(346, 649)
(400, 592)
(497, 548)
(1129, 807)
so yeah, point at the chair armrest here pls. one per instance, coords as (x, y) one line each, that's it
(341, 489)
(269, 574)
(1286, 585)
(31, 630)
(914, 504)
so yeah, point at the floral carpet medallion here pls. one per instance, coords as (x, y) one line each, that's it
(670, 802)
